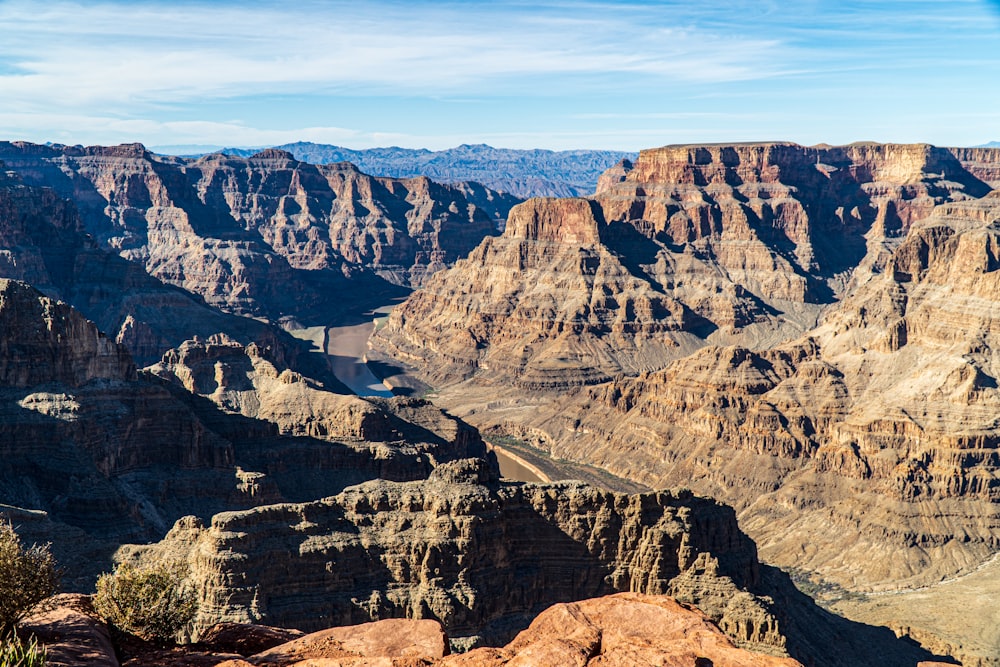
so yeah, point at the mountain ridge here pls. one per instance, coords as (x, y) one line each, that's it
(521, 172)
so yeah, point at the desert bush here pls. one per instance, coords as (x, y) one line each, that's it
(17, 652)
(27, 576)
(153, 602)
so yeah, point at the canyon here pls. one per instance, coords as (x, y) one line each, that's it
(265, 236)
(793, 346)
(808, 334)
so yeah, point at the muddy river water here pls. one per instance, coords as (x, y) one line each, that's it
(346, 347)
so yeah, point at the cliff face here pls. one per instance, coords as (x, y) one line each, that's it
(546, 305)
(484, 557)
(480, 556)
(736, 244)
(266, 236)
(43, 242)
(848, 413)
(93, 454)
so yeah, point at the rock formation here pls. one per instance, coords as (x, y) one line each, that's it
(727, 245)
(480, 556)
(484, 557)
(620, 630)
(93, 454)
(43, 242)
(842, 396)
(267, 235)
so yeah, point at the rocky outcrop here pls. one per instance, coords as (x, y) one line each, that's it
(336, 217)
(47, 341)
(392, 642)
(93, 454)
(480, 556)
(689, 245)
(72, 633)
(983, 163)
(848, 412)
(623, 629)
(43, 242)
(267, 235)
(546, 305)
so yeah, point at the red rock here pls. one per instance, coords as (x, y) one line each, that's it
(72, 633)
(246, 639)
(391, 638)
(620, 630)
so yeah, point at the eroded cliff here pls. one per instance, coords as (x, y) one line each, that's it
(268, 235)
(739, 244)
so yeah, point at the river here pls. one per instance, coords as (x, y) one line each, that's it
(346, 347)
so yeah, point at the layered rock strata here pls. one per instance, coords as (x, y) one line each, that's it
(93, 454)
(736, 244)
(43, 242)
(266, 236)
(850, 416)
(480, 556)
(483, 557)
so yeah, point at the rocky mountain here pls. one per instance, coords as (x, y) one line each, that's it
(266, 236)
(43, 242)
(829, 369)
(522, 173)
(94, 453)
(690, 245)
(483, 557)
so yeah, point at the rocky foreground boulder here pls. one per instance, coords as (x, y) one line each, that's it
(483, 557)
(624, 629)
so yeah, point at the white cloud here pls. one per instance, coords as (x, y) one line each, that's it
(66, 54)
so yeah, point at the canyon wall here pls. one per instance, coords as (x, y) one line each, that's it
(267, 235)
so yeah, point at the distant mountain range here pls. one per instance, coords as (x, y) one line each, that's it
(525, 173)
(992, 144)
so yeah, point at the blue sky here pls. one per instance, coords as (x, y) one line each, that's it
(558, 75)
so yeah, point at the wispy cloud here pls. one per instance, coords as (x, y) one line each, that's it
(261, 71)
(155, 53)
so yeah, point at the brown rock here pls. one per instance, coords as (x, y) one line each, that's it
(689, 245)
(267, 236)
(480, 556)
(624, 629)
(245, 639)
(837, 382)
(72, 633)
(392, 638)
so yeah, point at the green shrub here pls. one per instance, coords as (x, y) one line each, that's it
(15, 652)
(153, 603)
(27, 576)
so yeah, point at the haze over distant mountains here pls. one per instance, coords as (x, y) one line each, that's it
(525, 173)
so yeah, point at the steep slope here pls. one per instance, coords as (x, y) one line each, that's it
(546, 305)
(266, 236)
(43, 242)
(723, 244)
(93, 454)
(483, 557)
(522, 173)
(849, 414)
